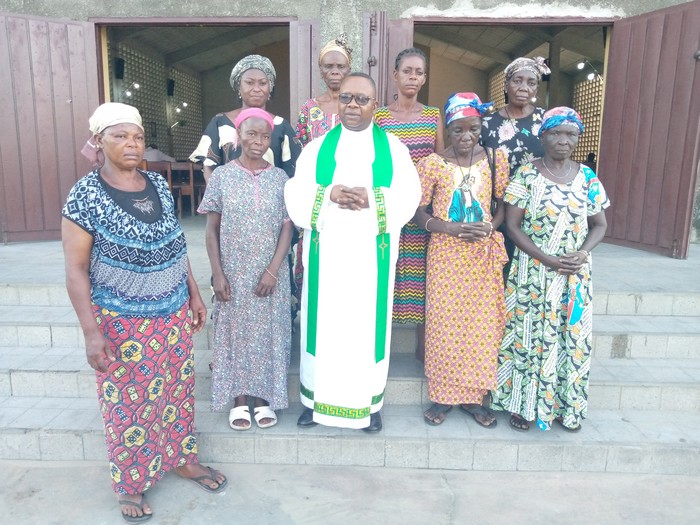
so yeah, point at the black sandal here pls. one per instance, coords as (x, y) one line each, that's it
(479, 410)
(519, 423)
(438, 410)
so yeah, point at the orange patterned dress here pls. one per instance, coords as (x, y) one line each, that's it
(465, 305)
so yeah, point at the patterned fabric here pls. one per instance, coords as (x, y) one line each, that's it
(560, 115)
(136, 268)
(546, 351)
(518, 137)
(252, 335)
(465, 307)
(147, 397)
(419, 137)
(313, 122)
(219, 144)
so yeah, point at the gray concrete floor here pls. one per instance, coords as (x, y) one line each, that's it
(79, 493)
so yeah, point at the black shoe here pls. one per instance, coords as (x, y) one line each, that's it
(306, 419)
(375, 423)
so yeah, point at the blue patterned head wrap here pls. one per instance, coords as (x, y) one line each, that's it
(558, 116)
(462, 105)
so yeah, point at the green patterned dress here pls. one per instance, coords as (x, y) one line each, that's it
(545, 356)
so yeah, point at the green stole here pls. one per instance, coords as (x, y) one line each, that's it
(382, 173)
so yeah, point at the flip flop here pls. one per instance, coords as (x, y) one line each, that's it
(135, 519)
(480, 411)
(577, 428)
(241, 412)
(211, 477)
(265, 412)
(519, 423)
(438, 410)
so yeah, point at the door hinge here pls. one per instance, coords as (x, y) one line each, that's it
(696, 56)
(373, 23)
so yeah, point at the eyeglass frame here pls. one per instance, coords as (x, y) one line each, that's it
(354, 97)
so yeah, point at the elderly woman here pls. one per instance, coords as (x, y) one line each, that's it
(419, 128)
(514, 128)
(318, 115)
(248, 235)
(253, 80)
(465, 307)
(135, 313)
(554, 213)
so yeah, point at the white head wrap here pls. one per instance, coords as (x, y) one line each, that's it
(112, 113)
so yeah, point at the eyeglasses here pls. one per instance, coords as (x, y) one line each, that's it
(362, 100)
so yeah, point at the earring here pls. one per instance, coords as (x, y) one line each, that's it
(239, 96)
(505, 96)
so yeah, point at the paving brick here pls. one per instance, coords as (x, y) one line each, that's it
(222, 448)
(27, 383)
(94, 447)
(320, 451)
(643, 346)
(61, 446)
(9, 295)
(606, 397)
(622, 304)
(495, 456)
(542, 458)
(407, 453)
(58, 296)
(404, 392)
(19, 444)
(682, 461)
(451, 455)
(366, 451)
(34, 336)
(66, 336)
(5, 384)
(680, 398)
(655, 304)
(585, 458)
(8, 336)
(628, 459)
(277, 450)
(34, 296)
(59, 384)
(686, 304)
(640, 397)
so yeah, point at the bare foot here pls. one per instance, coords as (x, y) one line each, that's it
(134, 505)
(195, 470)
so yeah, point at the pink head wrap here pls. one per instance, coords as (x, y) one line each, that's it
(254, 113)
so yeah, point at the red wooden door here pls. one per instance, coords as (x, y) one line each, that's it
(48, 89)
(650, 139)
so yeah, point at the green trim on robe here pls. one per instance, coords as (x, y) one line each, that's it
(382, 175)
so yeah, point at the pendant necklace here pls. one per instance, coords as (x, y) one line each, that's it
(466, 183)
(559, 177)
(255, 173)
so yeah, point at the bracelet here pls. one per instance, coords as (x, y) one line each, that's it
(587, 254)
(491, 226)
(425, 226)
(272, 274)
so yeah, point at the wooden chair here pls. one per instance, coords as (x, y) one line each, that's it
(165, 169)
(183, 181)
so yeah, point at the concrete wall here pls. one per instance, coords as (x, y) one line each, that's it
(448, 76)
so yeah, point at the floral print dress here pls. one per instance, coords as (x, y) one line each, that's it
(545, 356)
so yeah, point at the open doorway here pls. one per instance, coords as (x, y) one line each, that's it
(472, 58)
(178, 75)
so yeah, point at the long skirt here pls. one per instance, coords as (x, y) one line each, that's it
(147, 397)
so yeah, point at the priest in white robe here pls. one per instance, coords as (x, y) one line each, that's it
(354, 188)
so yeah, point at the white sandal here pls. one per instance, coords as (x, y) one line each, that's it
(241, 412)
(265, 413)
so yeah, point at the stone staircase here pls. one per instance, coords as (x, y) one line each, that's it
(644, 406)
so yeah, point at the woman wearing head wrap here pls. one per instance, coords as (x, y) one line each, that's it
(248, 236)
(420, 128)
(555, 215)
(252, 80)
(514, 128)
(320, 114)
(130, 283)
(464, 298)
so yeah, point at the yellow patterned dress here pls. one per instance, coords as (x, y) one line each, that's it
(465, 306)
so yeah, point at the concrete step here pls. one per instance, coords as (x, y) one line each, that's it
(617, 336)
(638, 384)
(661, 442)
(666, 303)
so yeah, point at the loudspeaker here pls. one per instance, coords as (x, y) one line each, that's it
(171, 87)
(119, 68)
